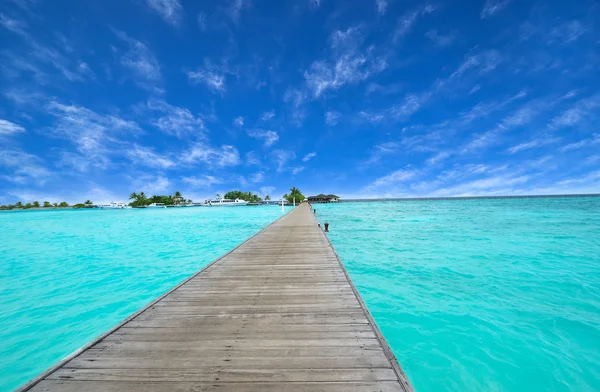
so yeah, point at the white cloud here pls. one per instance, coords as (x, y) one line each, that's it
(309, 156)
(381, 6)
(267, 116)
(170, 10)
(212, 76)
(440, 40)
(314, 3)
(94, 135)
(24, 168)
(269, 137)
(579, 111)
(296, 170)
(568, 32)
(9, 128)
(266, 190)
(492, 7)
(397, 176)
(16, 26)
(531, 144)
(440, 156)
(331, 118)
(151, 184)
(406, 22)
(595, 139)
(221, 157)
(347, 66)
(238, 121)
(235, 9)
(205, 181)
(147, 157)
(176, 121)
(257, 177)
(281, 158)
(252, 159)
(141, 62)
(201, 19)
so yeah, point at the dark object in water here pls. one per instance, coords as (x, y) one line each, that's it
(315, 211)
(253, 204)
(326, 227)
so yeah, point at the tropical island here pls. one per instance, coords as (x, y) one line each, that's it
(141, 200)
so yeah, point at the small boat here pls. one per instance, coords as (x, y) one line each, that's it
(156, 205)
(218, 202)
(114, 205)
(275, 202)
(253, 203)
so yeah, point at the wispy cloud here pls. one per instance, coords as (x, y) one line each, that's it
(9, 128)
(591, 141)
(281, 158)
(440, 40)
(176, 121)
(252, 158)
(205, 181)
(348, 65)
(146, 156)
(16, 26)
(381, 6)
(407, 21)
(234, 10)
(238, 121)
(212, 76)
(23, 168)
(535, 143)
(141, 62)
(92, 133)
(331, 118)
(267, 116)
(202, 153)
(492, 7)
(582, 109)
(269, 137)
(399, 176)
(152, 184)
(170, 10)
(309, 156)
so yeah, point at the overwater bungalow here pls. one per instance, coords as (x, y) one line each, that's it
(319, 199)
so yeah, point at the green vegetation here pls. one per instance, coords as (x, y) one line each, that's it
(294, 194)
(267, 197)
(247, 196)
(36, 204)
(141, 200)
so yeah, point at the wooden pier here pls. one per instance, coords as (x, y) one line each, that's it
(277, 313)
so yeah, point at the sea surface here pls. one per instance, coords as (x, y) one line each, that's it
(67, 276)
(480, 295)
(472, 295)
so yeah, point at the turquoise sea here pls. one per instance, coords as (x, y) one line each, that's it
(472, 295)
(68, 276)
(480, 295)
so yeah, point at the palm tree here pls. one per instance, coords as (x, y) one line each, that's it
(177, 197)
(218, 196)
(294, 190)
(133, 196)
(36, 204)
(267, 197)
(54, 205)
(142, 195)
(47, 204)
(88, 203)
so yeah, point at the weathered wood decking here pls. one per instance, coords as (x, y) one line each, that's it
(278, 313)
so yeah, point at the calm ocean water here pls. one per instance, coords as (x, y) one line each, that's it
(473, 295)
(480, 295)
(68, 276)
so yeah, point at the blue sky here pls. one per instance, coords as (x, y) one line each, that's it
(369, 98)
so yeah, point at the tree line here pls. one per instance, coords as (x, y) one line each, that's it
(141, 200)
(36, 204)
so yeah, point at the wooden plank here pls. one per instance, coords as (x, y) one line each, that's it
(226, 375)
(277, 313)
(120, 386)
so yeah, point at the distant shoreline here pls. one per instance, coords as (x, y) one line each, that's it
(466, 198)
